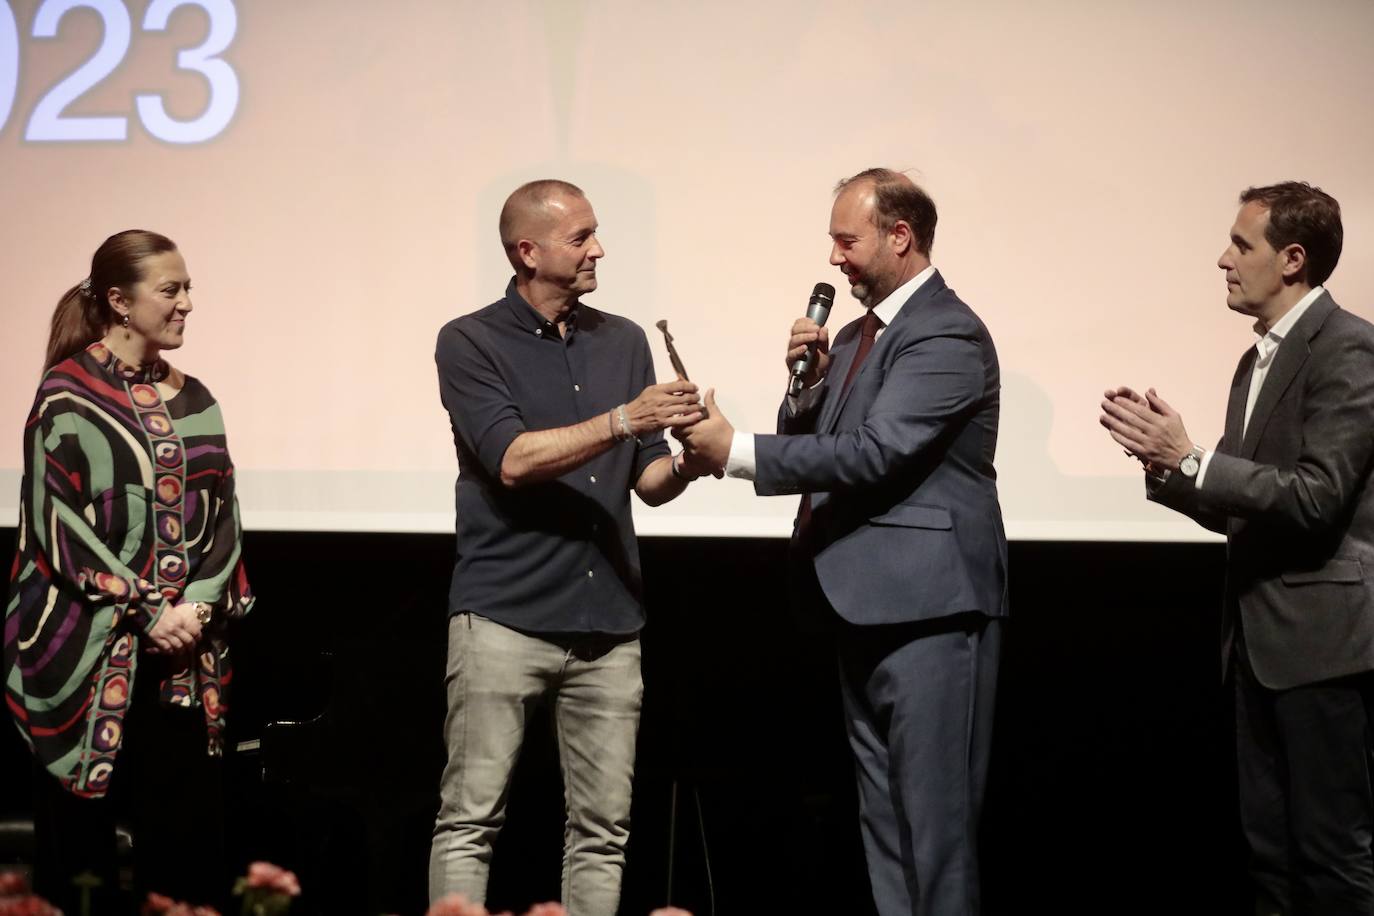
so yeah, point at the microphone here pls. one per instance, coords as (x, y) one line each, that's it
(818, 309)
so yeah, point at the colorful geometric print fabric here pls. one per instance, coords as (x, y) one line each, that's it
(127, 508)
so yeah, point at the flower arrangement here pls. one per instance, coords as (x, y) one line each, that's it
(158, 905)
(17, 900)
(267, 890)
(458, 905)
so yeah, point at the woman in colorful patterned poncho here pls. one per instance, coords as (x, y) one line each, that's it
(127, 569)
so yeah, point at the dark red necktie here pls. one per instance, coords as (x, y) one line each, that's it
(868, 333)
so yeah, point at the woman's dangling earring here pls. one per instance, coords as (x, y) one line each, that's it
(125, 322)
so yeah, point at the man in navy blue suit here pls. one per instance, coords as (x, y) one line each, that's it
(899, 537)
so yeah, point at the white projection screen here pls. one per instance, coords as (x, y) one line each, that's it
(333, 169)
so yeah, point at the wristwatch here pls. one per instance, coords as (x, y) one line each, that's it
(1188, 467)
(203, 612)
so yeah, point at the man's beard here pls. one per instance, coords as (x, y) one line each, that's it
(870, 291)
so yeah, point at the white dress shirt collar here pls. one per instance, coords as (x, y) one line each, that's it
(887, 309)
(1269, 341)
(1267, 344)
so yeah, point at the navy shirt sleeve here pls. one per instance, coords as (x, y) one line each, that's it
(477, 398)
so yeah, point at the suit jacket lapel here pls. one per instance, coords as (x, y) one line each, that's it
(839, 368)
(1235, 404)
(924, 293)
(1291, 355)
(872, 358)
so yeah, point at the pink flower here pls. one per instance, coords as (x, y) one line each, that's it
(12, 884)
(26, 905)
(456, 905)
(273, 878)
(156, 904)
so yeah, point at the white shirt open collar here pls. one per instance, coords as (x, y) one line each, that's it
(892, 304)
(1267, 344)
(1269, 341)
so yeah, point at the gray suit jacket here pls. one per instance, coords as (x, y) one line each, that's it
(906, 524)
(1292, 496)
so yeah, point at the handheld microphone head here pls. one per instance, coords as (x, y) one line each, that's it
(818, 310)
(822, 298)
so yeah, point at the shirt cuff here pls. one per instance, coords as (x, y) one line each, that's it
(1202, 469)
(741, 460)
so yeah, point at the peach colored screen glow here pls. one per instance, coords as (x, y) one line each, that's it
(1085, 157)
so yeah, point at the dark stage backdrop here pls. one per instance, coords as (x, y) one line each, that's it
(1111, 788)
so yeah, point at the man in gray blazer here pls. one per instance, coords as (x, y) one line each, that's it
(899, 540)
(1289, 486)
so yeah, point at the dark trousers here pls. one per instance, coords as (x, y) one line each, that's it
(1305, 799)
(918, 702)
(166, 790)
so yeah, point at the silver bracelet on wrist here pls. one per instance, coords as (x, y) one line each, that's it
(625, 432)
(619, 432)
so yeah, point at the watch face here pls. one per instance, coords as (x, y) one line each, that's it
(1188, 466)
